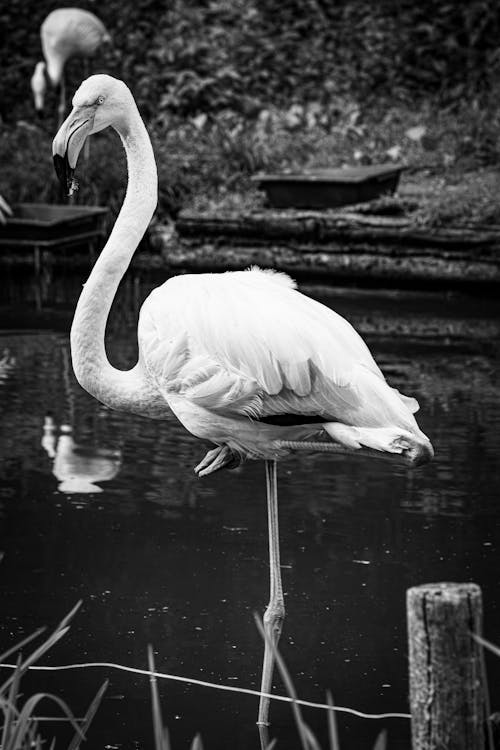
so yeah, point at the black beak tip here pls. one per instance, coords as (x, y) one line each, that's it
(64, 173)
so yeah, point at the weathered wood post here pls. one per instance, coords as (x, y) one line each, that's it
(448, 695)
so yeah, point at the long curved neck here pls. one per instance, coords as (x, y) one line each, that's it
(118, 389)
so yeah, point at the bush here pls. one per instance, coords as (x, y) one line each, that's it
(206, 161)
(186, 57)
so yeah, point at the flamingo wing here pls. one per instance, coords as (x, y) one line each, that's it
(247, 343)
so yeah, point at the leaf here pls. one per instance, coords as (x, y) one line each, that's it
(200, 121)
(416, 133)
(394, 152)
(196, 744)
(19, 646)
(162, 741)
(381, 741)
(24, 722)
(10, 711)
(332, 724)
(91, 711)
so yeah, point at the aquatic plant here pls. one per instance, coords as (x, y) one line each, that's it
(20, 729)
(162, 738)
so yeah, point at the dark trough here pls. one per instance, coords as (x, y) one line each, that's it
(329, 188)
(41, 222)
(43, 228)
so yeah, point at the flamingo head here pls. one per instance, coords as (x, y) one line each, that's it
(100, 102)
(39, 86)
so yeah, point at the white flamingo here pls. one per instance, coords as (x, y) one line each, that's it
(241, 358)
(65, 33)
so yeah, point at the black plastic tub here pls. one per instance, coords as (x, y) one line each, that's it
(329, 188)
(41, 222)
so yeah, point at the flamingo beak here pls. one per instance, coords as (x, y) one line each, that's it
(68, 143)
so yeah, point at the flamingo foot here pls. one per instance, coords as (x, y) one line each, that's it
(216, 459)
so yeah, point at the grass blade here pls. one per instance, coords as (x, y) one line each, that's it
(333, 737)
(311, 739)
(381, 741)
(12, 713)
(58, 633)
(25, 722)
(196, 744)
(51, 640)
(162, 741)
(19, 646)
(487, 644)
(66, 620)
(87, 719)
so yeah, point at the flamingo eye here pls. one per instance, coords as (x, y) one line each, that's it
(100, 99)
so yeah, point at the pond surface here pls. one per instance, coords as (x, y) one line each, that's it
(107, 510)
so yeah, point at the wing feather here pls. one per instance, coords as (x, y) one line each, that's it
(249, 343)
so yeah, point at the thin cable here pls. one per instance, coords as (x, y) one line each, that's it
(229, 688)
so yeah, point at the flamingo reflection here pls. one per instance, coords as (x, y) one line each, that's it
(7, 364)
(78, 467)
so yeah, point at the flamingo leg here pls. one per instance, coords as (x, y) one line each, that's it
(406, 457)
(275, 612)
(218, 458)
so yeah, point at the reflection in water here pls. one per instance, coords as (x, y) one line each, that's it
(7, 364)
(161, 557)
(78, 467)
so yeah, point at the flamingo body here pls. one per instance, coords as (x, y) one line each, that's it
(229, 350)
(69, 32)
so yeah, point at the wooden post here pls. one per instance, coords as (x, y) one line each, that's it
(448, 694)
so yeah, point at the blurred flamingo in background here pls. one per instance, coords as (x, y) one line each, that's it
(65, 33)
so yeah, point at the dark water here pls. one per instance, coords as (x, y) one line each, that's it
(111, 513)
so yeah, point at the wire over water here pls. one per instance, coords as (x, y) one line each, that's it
(202, 683)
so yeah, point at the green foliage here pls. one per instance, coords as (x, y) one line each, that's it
(232, 87)
(192, 56)
(207, 162)
(468, 198)
(27, 173)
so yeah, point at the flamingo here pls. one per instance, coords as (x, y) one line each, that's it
(65, 33)
(242, 359)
